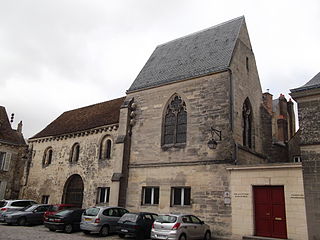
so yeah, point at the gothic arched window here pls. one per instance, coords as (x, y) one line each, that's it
(105, 148)
(175, 123)
(47, 157)
(247, 123)
(75, 151)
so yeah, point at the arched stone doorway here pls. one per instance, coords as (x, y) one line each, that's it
(73, 191)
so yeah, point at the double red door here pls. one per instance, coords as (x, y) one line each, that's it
(270, 214)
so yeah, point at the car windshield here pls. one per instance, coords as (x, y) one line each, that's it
(129, 217)
(23, 209)
(53, 209)
(3, 203)
(63, 213)
(29, 208)
(91, 211)
(166, 219)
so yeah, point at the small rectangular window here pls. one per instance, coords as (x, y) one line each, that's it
(297, 159)
(103, 195)
(180, 196)
(45, 199)
(150, 195)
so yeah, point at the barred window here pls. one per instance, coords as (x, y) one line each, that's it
(150, 195)
(175, 123)
(103, 195)
(180, 196)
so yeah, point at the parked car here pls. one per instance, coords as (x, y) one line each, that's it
(136, 225)
(180, 227)
(67, 220)
(29, 215)
(102, 220)
(13, 205)
(58, 207)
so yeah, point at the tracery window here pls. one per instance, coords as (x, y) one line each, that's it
(47, 157)
(247, 123)
(75, 152)
(175, 123)
(105, 148)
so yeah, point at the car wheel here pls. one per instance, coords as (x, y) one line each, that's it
(121, 235)
(86, 232)
(182, 237)
(22, 221)
(68, 228)
(207, 236)
(104, 231)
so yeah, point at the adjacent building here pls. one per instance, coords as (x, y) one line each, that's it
(13, 150)
(308, 99)
(193, 134)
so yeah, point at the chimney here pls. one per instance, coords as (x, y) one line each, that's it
(267, 102)
(19, 128)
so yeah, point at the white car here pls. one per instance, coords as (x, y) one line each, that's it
(179, 227)
(13, 205)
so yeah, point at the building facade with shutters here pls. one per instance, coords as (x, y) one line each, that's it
(13, 149)
(194, 134)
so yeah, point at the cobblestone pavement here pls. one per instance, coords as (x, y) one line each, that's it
(40, 232)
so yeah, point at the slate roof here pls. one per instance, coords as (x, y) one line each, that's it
(313, 83)
(7, 134)
(194, 55)
(84, 118)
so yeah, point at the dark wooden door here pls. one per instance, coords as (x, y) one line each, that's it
(73, 192)
(270, 214)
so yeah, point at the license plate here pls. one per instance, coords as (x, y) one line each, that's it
(124, 230)
(161, 236)
(51, 219)
(87, 219)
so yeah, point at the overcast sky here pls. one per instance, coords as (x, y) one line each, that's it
(60, 55)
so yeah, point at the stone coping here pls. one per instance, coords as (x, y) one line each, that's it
(265, 166)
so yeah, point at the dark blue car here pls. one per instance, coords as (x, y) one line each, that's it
(27, 216)
(136, 225)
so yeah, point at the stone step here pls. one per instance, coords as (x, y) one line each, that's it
(260, 238)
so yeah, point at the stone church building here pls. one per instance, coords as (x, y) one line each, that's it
(194, 134)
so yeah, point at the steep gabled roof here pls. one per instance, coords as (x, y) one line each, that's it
(84, 118)
(313, 83)
(194, 55)
(7, 134)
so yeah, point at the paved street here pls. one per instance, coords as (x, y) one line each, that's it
(40, 232)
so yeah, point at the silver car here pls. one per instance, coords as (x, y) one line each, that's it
(102, 220)
(7, 206)
(180, 227)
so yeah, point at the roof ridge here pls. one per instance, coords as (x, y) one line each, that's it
(95, 104)
(203, 30)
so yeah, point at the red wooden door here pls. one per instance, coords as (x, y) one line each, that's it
(270, 214)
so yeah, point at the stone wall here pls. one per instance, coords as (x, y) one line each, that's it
(13, 177)
(95, 172)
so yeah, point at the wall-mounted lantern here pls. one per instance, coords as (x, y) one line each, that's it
(212, 143)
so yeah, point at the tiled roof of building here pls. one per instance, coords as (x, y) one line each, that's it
(313, 83)
(84, 118)
(7, 134)
(194, 55)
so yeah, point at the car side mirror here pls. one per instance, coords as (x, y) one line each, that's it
(202, 222)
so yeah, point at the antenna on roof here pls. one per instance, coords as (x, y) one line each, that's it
(12, 118)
